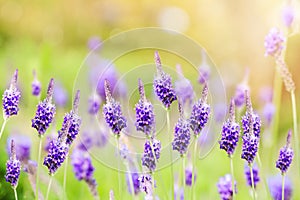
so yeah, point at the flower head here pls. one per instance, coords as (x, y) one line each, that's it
(45, 112)
(60, 95)
(74, 119)
(189, 176)
(255, 175)
(163, 85)
(94, 104)
(22, 145)
(82, 165)
(135, 180)
(11, 98)
(112, 112)
(35, 85)
(225, 187)
(183, 87)
(148, 159)
(230, 132)
(145, 182)
(274, 43)
(200, 113)
(250, 147)
(144, 113)
(275, 187)
(286, 155)
(13, 167)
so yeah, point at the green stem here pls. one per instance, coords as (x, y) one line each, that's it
(252, 182)
(49, 187)
(15, 192)
(38, 169)
(183, 174)
(3, 126)
(232, 177)
(282, 188)
(119, 174)
(194, 165)
(171, 155)
(262, 175)
(65, 177)
(295, 127)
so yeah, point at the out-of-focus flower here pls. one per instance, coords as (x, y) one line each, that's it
(94, 43)
(189, 176)
(35, 85)
(225, 187)
(13, 168)
(135, 180)
(255, 175)
(82, 165)
(268, 113)
(286, 155)
(22, 147)
(275, 187)
(239, 96)
(274, 43)
(94, 104)
(288, 15)
(11, 98)
(60, 95)
(203, 69)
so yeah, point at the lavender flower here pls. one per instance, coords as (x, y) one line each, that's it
(255, 175)
(60, 95)
(144, 113)
(13, 167)
(183, 87)
(163, 85)
(112, 112)
(275, 187)
(189, 176)
(268, 113)
(45, 112)
(200, 113)
(135, 180)
(145, 182)
(249, 114)
(22, 147)
(94, 104)
(286, 155)
(74, 119)
(11, 98)
(274, 43)
(239, 96)
(94, 43)
(250, 147)
(230, 132)
(225, 187)
(204, 70)
(182, 134)
(35, 85)
(82, 165)
(148, 159)
(288, 15)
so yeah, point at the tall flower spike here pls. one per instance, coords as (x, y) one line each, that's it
(74, 119)
(148, 159)
(22, 145)
(256, 178)
(45, 112)
(57, 152)
(275, 187)
(135, 180)
(145, 182)
(203, 69)
(250, 114)
(225, 187)
(11, 98)
(230, 132)
(112, 112)
(35, 85)
(239, 96)
(182, 135)
(13, 167)
(274, 43)
(163, 85)
(286, 155)
(200, 113)
(145, 120)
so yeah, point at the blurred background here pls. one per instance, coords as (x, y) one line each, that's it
(52, 38)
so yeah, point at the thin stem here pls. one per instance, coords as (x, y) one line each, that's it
(295, 127)
(232, 177)
(171, 154)
(130, 182)
(119, 174)
(65, 177)
(155, 160)
(49, 187)
(38, 169)
(194, 165)
(262, 175)
(3, 126)
(282, 189)
(15, 192)
(252, 182)
(183, 174)
(153, 185)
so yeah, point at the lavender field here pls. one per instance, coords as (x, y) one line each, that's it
(138, 100)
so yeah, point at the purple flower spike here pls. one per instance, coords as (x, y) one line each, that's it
(200, 113)
(60, 95)
(82, 165)
(11, 98)
(13, 167)
(75, 121)
(163, 85)
(250, 147)
(274, 43)
(57, 152)
(35, 85)
(144, 113)
(45, 112)
(249, 114)
(268, 113)
(255, 175)
(135, 180)
(189, 176)
(286, 155)
(22, 145)
(148, 159)
(275, 186)
(182, 135)
(94, 104)
(230, 132)
(183, 87)
(112, 112)
(203, 69)
(225, 187)
(145, 182)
